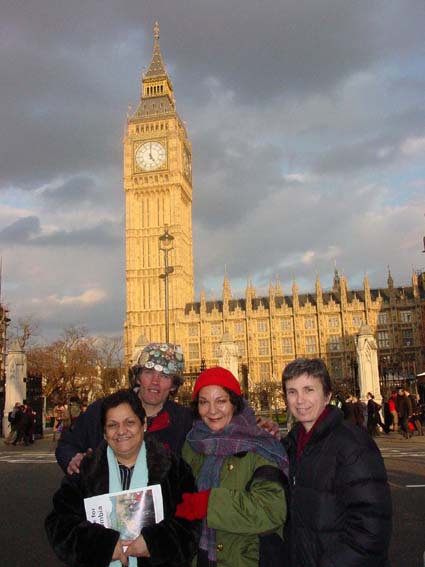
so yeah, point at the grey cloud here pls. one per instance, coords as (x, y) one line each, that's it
(233, 181)
(354, 157)
(68, 72)
(20, 231)
(27, 231)
(77, 190)
(103, 235)
(350, 229)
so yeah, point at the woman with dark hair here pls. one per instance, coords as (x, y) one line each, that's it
(240, 476)
(125, 460)
(339, 498)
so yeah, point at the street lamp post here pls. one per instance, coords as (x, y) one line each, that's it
(166, 245)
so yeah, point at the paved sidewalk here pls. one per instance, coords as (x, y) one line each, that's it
(396, 439)
(45, 445)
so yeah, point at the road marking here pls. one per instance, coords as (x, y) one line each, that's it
(17, 458)
(395, 453)
(415, 485)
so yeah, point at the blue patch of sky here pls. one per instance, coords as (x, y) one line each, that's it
(404, 184)
(17, 198)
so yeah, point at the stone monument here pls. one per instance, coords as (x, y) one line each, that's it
(16, 373)
(142, 341)
(228, 354)
(367, 359)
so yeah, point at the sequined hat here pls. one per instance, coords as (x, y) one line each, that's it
(162, 357)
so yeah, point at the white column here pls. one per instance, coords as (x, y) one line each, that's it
(16, 372)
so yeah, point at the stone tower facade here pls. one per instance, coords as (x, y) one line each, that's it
(158, 197)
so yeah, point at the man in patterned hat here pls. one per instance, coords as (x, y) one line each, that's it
(157, 374)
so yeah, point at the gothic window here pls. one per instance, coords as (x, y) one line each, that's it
(336, 368)
(215, 329)
(407, 337)
(262, 326)
(406, 316)
(309, 323)
(216, 349)
(287, 346)
(334, 343)
(241, 347)
(383, 339)
(286, 324)
(310, 344)
(193, 351)
(193, 330)
(239, 327)
(383, 318)
(357, 321)
(263, 347)
(333, 322)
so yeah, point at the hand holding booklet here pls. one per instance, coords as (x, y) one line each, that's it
(127, 511)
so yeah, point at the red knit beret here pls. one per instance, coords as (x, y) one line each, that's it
(217, 377)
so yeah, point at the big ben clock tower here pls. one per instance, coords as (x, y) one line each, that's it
(158, 197)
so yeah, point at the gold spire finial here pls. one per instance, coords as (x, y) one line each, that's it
(156, 31)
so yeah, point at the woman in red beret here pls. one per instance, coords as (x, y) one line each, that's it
(240, 472)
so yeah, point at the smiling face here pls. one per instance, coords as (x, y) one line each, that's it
(306, 399)
(214, 407)
(124, 433)
(155, 387)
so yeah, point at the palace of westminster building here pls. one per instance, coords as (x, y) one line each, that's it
(269, 331)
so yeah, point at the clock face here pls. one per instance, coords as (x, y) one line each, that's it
(150, 156)
(186, 163)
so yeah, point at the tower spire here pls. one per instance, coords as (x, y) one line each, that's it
(156, 68)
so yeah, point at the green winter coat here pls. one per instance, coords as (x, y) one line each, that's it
(239, 515)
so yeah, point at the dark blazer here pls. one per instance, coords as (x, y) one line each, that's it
(86, 432)
(171, 543)
(339, 498)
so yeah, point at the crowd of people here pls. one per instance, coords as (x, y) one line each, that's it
(234, 493)
(22, 425)
(402, 413)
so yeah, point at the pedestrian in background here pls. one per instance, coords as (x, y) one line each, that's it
(57, 423)
(13, 419)
(415, 419)
(392, 406)
(373, 416)
(405, 411)
(24, 426)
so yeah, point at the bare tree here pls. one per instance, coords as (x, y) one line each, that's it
(110, 352)
(69, 366)
(24, 331)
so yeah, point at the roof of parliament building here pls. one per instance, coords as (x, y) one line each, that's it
(339, 294)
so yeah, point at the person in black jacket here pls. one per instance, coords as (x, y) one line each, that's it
(126, 459)
(158, 373)
(339, 498)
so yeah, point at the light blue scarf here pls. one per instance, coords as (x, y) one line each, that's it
(139, 479)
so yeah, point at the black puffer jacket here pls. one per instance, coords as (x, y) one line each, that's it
(339, 498)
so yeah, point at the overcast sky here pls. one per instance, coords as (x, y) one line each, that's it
(307, 119)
